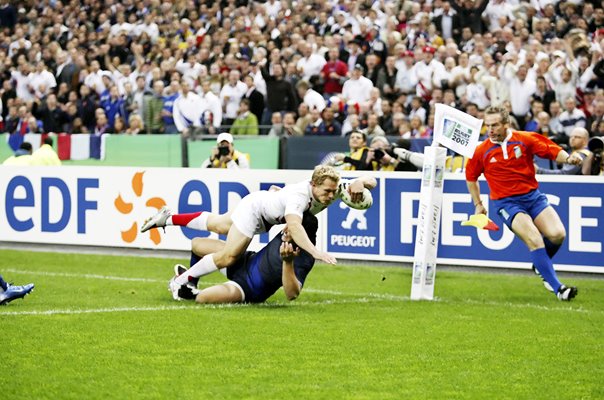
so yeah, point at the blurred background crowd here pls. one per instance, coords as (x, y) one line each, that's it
(293, 68)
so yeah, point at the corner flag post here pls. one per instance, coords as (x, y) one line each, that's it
(459, 132)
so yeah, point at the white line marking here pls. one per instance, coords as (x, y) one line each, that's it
(84, 276)
(191, 306)
(360, 298)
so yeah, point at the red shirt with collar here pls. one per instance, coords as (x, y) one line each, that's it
(508, 167)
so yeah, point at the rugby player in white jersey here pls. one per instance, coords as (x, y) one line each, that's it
(257, 213)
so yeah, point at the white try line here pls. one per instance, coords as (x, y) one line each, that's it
(190, 306)
(165, 281)
(360, 298)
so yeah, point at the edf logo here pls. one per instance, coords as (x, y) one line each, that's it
(354, 231)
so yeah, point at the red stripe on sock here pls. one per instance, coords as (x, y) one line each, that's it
(184, 219)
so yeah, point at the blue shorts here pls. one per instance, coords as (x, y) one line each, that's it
(531, 203)
(246, 273)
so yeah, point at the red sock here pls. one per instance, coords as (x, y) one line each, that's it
(184, 219)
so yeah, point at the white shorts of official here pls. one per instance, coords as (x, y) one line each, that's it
(247, 216)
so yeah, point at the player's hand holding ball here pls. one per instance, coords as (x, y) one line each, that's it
(355, 195)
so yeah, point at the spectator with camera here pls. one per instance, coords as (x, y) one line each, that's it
(594, 163)
(224, 155)
(380, 155)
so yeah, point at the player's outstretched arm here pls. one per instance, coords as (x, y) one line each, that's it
(291, 285)
(298, 234)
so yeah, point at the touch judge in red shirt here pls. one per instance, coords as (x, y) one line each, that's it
(506, 160)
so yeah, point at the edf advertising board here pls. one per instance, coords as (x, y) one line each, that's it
(105, 207)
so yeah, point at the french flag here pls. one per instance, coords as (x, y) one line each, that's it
(81, 146)
(15, 140)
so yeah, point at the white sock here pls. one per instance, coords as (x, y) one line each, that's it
(200, 223)
(169, 221)
(201, 268)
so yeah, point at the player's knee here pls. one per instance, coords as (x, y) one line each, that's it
(223, 260)
(557, 237)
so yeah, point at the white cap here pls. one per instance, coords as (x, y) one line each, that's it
(224, 136)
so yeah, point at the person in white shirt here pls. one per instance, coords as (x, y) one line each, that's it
(311, 97)
(188, 110)
(476, 93)
(257, 213)
(406, 80)
(497, 89)
(94, 79)
(149, 27)
(41, 81)
(425, 70)
(21, 78)
(230, 96)
(213, 115)
(357, 89)
(310, 64)
(191, 70)
(522, 90)
(120, 26)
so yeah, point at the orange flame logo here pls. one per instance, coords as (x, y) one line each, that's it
(124, 207)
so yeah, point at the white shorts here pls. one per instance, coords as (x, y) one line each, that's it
(247, 216)
(235, 284)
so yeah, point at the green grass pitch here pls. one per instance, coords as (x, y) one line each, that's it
(105, 327)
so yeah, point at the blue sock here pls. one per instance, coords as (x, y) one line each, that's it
(551, 248)
(544, 265)
(194, 259)
(3, 284)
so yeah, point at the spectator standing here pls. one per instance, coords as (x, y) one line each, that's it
(246, 122)
(334, 73)
(280, 93)
(357, 88)
(231, 95)
(572, 117)
(254, 96)
(170, 97)
(153, 104)
(188, 111)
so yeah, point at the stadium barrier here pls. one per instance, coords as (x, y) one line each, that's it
(148, 150)
(301, 152)
(105, 207)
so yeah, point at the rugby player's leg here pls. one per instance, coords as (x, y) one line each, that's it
(525, 229)
(224, 293)
(551, 227)
(202, 221)
(235, 245)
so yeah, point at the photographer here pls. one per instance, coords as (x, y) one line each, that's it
(594, 163)
(385, 157)
(381, 156)
(224, 155)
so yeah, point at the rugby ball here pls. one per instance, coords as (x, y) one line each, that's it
(363, 204)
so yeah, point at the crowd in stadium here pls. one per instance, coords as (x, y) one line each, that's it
(304, 67)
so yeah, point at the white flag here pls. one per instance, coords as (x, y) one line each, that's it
(456, 130)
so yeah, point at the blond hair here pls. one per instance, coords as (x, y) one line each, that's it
(503, 112)
(323, 172)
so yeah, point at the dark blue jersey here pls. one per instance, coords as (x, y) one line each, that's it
(259, 274)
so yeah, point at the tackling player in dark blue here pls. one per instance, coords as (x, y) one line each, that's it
(256, 276)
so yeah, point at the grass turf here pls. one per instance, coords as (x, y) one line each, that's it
(87, 333)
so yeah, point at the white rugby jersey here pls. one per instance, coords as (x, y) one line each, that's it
(295, 199)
